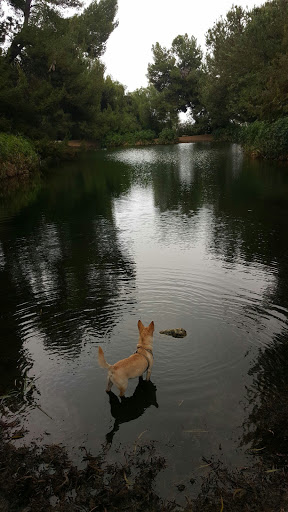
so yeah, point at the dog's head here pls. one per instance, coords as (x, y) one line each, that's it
(145, 331)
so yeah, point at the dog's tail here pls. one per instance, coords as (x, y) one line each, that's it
(101, 359)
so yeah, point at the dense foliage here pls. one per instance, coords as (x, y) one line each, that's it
(17, 155)
(52, 82)
(241, 86)
(176, 75)
(51, 78)
(247, 63)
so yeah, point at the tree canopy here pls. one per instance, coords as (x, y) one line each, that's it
(246, 77)
(176, 74)
(52, 81)
(51, 76)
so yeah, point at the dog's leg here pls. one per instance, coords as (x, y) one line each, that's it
(122, 386)
(148, 374)
(109, 384)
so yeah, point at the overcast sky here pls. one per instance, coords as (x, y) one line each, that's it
(144, 22)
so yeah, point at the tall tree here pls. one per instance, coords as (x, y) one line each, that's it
(176, 73)
(247, 57)
(53, 79)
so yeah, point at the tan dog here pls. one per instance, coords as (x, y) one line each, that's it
(133, 366)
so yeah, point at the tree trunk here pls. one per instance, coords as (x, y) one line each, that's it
(18, 43)
(27, 11)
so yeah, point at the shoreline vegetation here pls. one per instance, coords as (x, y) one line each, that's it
(54, 88)
(19, 157)
(46, 479)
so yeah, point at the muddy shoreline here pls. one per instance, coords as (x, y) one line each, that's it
(35, 478)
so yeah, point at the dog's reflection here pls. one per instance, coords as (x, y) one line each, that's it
(130, 408)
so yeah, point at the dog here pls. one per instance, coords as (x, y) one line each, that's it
(134, 365)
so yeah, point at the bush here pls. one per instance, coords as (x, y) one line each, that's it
(167, 136)
(230, 133)
(17, 155)
(267, 140)
(52, 152)
(116, 139)
(259, 139)
(145, 135)
(199, 128)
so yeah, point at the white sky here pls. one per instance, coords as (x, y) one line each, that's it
(143, 23)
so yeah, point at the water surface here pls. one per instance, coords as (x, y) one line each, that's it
(192, 236)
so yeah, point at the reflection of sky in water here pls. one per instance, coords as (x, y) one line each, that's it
(2, 258)
(185, 163)
(140, 157)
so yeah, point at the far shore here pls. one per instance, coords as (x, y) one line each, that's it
(88, 144)
(196, 138)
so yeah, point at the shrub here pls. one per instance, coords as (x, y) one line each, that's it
(167, 136)
(52, 152)
(268, 140)
(17, 155)
(199, 128)
(116, 139)
(230, 133)
(146, 135)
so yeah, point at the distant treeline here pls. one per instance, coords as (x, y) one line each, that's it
(52, 83)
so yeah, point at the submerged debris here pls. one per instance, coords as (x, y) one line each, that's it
(34, 479)
(179, 332)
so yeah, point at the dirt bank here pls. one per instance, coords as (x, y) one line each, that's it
(86, 144)
(83, 144)
(196, 138)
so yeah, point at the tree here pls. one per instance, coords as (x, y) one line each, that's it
(53, 79)
(246, 61)
(146, 107)
(176, 74)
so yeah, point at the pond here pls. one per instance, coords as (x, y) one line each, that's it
(192, 236)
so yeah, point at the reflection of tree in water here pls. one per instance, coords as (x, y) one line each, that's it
(171, 193)
(64, 269)
(248, 206)
(267, 425)
(12, 359)
(249, 224)
(246, 202)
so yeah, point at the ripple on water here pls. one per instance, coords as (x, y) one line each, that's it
(212, 297)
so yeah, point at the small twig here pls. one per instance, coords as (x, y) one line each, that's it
(222, 504)
(38, 407)
(139, 437)
(66, 481)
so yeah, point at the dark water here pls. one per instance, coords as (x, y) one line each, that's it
(191, 236)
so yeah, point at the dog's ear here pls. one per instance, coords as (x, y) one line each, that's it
(151, 327)
(140, 326)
